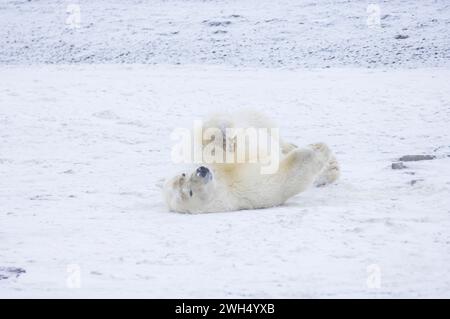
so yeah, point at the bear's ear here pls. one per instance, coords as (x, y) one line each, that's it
(230, 143)
(234, 144)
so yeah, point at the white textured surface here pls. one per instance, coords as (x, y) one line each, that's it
(82, 147)
(264, 33)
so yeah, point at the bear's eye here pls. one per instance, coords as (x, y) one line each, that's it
(190, 193)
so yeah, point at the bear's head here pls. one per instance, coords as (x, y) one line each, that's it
(189, 193)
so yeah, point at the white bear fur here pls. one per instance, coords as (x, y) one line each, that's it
(241, 185)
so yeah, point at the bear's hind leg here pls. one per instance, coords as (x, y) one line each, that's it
(330, 173)
(301, 167)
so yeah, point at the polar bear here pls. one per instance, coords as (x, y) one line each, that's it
(221, 187)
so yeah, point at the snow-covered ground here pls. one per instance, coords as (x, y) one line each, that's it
(86, 112)
(83, 148)
(263, 33)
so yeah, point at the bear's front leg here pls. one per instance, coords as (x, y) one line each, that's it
(300, 168)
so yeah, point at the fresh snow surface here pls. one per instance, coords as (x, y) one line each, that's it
(260, 33)
(83, 149)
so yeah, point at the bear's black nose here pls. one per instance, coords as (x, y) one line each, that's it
(202, 171)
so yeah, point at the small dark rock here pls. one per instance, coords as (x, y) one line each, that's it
(412, 158)
(398, 165)
(401, 36)
(218, 23)
(8, 272)
(414, 181)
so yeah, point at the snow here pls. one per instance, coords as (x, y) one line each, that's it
(86, 114)
(259, 33)
(84, 147)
